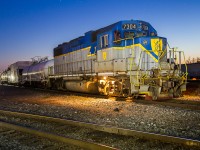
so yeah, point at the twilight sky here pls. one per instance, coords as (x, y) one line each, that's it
(31, 28)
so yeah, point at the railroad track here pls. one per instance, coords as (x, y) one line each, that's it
(14, 139)
(24, 122)
(184, 104)
(13, 126)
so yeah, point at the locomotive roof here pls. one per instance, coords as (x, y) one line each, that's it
(90, 37)
(105, 29)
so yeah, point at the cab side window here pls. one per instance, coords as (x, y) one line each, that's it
(129, 35)
(104, 41)
(117, 37)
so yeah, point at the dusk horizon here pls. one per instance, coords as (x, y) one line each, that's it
(34, 28)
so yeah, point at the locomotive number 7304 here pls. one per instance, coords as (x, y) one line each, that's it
(129, 26)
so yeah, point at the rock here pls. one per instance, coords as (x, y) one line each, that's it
(116, 109)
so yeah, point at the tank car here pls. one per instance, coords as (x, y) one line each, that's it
(38, 73)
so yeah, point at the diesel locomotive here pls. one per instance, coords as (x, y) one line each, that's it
(125, 59)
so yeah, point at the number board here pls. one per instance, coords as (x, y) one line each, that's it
(129, 26)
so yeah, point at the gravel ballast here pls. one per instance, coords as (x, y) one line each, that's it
(150, 118)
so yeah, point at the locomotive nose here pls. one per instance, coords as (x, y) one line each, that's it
(154, 46)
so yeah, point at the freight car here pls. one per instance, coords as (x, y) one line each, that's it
(13, 74)
(4, 77)
(38, 73)
(193, 70)
(126, 58)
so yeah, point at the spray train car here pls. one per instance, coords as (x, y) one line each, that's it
(124, 59)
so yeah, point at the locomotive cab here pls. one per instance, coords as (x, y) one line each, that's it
(137, 64)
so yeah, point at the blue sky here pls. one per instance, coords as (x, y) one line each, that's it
(31, 28)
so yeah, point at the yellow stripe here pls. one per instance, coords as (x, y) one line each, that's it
(89, 55)
(116, 48)
(143, 48)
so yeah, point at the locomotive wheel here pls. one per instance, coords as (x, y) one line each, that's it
(154, 91)
(178, 93)
(154, 96)
(171, 93)
(107, 89)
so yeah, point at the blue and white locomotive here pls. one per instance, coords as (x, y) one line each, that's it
(126, 58)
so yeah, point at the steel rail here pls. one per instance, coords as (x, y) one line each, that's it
(176, 103)
(54, 137)
(110, 129)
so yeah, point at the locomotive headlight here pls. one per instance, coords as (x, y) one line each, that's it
(101, 81)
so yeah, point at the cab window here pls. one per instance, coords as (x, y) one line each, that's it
(104, 41)
(117, 37)
(129, 35)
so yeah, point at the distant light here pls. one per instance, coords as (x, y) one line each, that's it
(12, 78)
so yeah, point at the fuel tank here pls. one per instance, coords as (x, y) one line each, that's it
(82, 86)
